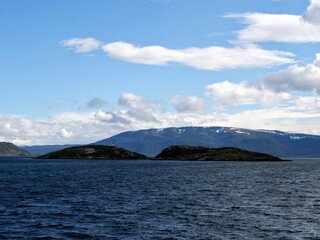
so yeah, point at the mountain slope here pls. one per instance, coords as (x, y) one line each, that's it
(9, 149)
(150, 142)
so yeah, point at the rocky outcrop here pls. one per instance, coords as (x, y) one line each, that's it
(93, 152)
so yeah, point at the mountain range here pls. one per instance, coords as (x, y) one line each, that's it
(151, 141)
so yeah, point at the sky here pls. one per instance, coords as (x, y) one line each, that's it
(78, 71)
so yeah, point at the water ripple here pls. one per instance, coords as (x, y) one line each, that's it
(54, 199)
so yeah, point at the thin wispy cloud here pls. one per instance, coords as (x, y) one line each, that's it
(213, 58)
(82, 45)
(94, 103)
(210, 58)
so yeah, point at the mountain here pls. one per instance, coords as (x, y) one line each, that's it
(184, 152)
(44, 149)
(93, 152)
(151, 141)
(9, 149)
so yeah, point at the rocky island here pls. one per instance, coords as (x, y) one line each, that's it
(185, 152)
(182, 152)
(93, 152)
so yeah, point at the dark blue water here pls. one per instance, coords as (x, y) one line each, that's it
(61, 199)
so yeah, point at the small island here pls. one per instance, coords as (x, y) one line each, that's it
(185, 152)
(93, 152)
(182, 153)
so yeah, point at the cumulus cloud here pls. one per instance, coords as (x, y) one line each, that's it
(210, 58)
(135, 102)
(312, 14)
(94, 103)
(111, 117)
(302, 114)
(299, 78)
(140, 107)
(82, 44)
(188, 104)
(20, 130)
(104, 116)
(234, 94)
(63, 133)
(94, 126)
(277, 28)
(281, 27)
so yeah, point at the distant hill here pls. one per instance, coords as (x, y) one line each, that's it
(9, 149)
(44, 149)
(150, 142)
(184, 152)
(93, 152)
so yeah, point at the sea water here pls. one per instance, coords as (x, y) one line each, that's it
(102, 199)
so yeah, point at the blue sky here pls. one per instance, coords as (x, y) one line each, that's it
(77, 71)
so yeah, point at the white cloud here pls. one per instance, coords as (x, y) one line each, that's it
(316, 62)
(136, 102)
(20, 130)
(210, 58)
(277, 28)
(138, 112)
(103, 116)
(63, 133)
(82, 44)
(281, 27)
(299, 78)
(234, 94)
(284, 119)
(311, 104)
(95, 126)
(312, 14)
(153, 55)
(111, 117)
(140, 107)
(188, 104)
